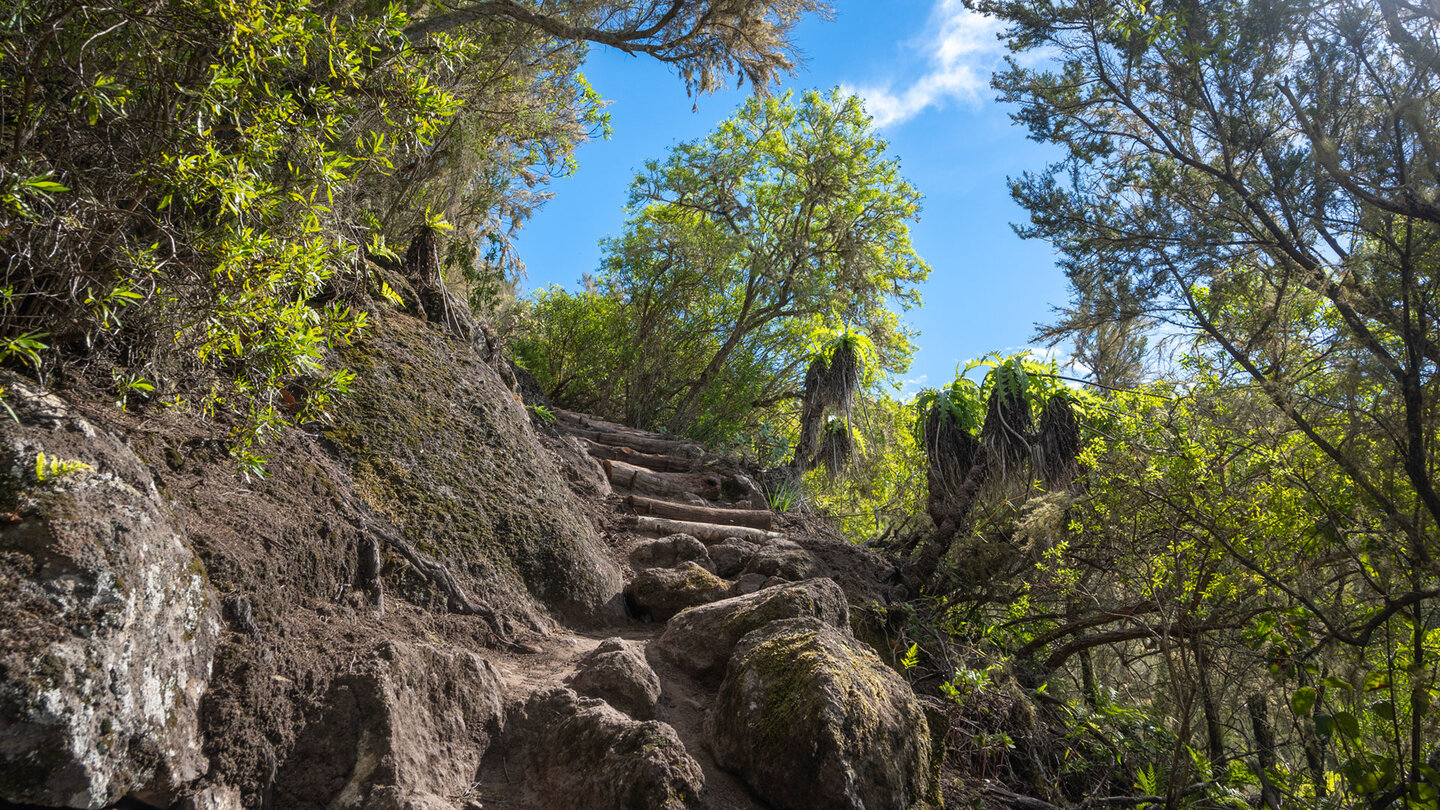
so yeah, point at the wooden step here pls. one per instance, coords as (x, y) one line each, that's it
(649, 461)
(755, 519)
(704, 532)
(587, 422)
(649, 482)
(643, 444)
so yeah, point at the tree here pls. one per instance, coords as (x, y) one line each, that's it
(706, 40)
(1263, 176)
(786, 224)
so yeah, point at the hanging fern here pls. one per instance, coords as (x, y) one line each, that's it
(837, 447)
(842, 378)
(1006, 435)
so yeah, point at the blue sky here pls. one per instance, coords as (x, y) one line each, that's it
(923, 68)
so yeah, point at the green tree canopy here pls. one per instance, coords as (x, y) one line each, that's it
(785, 227)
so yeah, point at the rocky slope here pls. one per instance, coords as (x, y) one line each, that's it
(434, 603)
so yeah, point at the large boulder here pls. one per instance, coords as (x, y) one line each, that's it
(408, 729)
(699, 640)
(582, 753)
(107, 628)
(809, 717)
(660, 593)
(617, 673)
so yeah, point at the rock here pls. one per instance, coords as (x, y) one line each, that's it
(410, 728)
(617, 673)
(751, 583)
(668, 552)
(784, 559)
(107, 627)
(584, 473)
(809, 717)
(699, 640)
(214, 797)
(731, 556)
(662, 592)
(580, 752)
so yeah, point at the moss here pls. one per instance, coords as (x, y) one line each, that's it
(435, 451)
(50, 671)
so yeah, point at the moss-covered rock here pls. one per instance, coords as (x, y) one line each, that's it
(700, 640)
(662, 592)
(441, 447)
(809, 717)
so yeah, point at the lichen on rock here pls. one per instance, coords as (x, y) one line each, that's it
(107, 629)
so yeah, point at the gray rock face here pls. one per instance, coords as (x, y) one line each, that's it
(617, 673)
(663, 592)
(809, 717)
(731, 556)
(107, 629)
(784, 559)
(579, 752)
(700, 640)
(668, 552)
(408, 730)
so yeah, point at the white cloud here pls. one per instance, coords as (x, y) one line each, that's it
(909, 388)
(960, 55)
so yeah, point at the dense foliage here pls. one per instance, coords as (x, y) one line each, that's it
(1236, 600)
(190, 189)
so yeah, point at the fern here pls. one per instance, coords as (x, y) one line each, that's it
(48, 469)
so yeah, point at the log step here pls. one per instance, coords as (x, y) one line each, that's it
(650, 461)
(649, 482)
(704, 532)
(587, 422)
(700, 514)
(643, 444)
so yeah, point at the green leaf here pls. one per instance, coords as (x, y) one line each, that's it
(1303, 700)
(1346, 723)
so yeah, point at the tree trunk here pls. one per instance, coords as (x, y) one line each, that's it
(1259, 709)
(648, 482)
(700, 514)
(704, 532)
